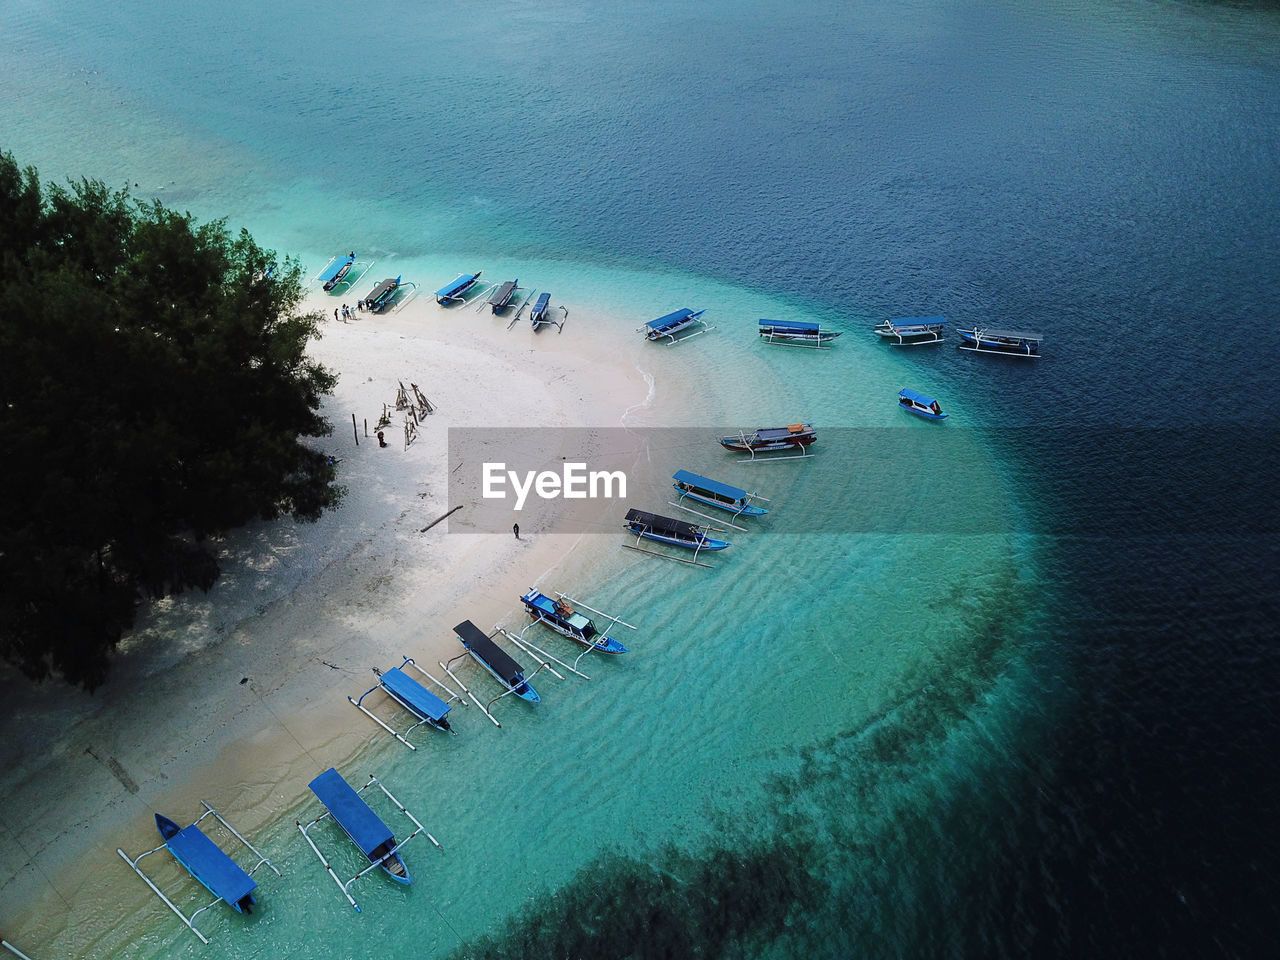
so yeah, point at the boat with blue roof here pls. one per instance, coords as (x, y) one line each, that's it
(683, 324)
(455, 290)
(921, 405)
(540, 308)
(713, 493)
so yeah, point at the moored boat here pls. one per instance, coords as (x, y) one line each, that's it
(912, 331)
(540, 308)
(358, 821)
(677, 326)
(1007, 343)
(560, 616)
(920, 405)
(453, 291)
(501, 297)
(677, 533)
(715, 494)
(768, 439)
(798, 333)
(495, 660)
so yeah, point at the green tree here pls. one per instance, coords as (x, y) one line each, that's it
(154, 391)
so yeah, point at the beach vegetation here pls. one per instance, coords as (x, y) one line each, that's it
(155, 392)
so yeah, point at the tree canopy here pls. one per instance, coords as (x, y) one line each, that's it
(155, 391)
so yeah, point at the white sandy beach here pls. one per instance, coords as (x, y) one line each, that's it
(241, 692)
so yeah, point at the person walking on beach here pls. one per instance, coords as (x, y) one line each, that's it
(335, 313)
(515, 528)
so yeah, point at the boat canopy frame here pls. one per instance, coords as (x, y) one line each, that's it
(190, 921)
(374, 864)
(412, 696)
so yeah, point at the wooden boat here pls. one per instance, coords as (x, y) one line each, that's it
(337, 270)
(560, 616)
(912, 331)
(452, 292)
(358, 821)
(796, 333)
(1006, 343)
(207, 863)
(677, 533)
(668, 327)
(413, 696)
(715, 494)
(920, 405)
(501, 297)
(383, 295)
(540, 308)
(496, 660)
(796, 436)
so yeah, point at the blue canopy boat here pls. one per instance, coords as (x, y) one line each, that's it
(678, 533)
(912, 331)
(1007, 343)
(673, 323)
(561, 617)
(501, 297)
(496, 660)
(411, 695)
(361, 824)
(336, 271)
(540, 307)
(920, 405)
(364, 827)
(207, 862)
(715, 494)
(452, 292)
(796, 333)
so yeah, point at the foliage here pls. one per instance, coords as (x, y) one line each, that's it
(154, 392)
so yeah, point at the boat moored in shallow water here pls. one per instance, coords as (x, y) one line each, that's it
(559, 614)
(912, 331)
(1005, 343)
(920, 405)
(677, 327)
(796, 333)
(715, 494)
(454, 291)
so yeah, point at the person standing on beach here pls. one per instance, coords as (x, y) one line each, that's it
(515, 528)
(335, 313)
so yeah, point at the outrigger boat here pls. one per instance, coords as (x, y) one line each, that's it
(677, 533)
(207, 862)
(1007, 343)
(796, 333)
(912, 331)
(796, 436)
(337, 272)
(387, 294)
(673, 323)
(920, 405)
(497, 662)
(713, 493)
(364, 827)
(540, 308)
(413, 696)
(501, 297)
(452, 292)
(558, 614)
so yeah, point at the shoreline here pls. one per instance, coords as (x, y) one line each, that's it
(247, 684)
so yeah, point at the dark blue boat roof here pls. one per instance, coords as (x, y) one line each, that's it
(332, 270)
(541, 302)
(917, 397)
(673, 319)
(207, 862)
(449, 289)
(363, 826)
(713, 486)
(799, 326)
(383, 290)
(473, 638)
(420, 700)
(656, 523)
(504, 292)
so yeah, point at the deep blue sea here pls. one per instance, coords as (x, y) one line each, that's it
(1051, 739)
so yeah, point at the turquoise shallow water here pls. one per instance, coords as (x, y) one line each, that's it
(833, 744)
